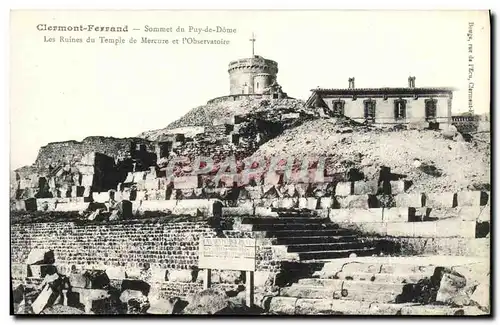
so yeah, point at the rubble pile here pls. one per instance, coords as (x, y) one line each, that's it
(433, 162)
(226, 110)
(52, 289)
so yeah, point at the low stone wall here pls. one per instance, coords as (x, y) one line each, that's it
(165, 253)
(290, 196)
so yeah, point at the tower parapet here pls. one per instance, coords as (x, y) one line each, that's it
(251, 75)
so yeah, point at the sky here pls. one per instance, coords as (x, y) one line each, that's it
(68, 91)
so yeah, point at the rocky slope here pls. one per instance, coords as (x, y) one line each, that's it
(206, 114)
(433, 160)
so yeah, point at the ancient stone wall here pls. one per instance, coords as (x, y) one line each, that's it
(160, 246)
(71, 151)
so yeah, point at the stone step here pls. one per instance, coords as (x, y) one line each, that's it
(308, 233)
(307, 306)
(391, 268)
(300, 220)
(302, 291)
(384, 277)
(294, 226)
(319, 255)
(314, 240)
(340, 284)
(327, 246)
(299, 214)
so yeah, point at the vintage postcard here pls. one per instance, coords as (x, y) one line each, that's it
(250, 162)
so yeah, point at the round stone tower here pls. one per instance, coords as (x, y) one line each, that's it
(252, 75)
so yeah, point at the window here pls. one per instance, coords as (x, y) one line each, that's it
(369, 110)
(400, 109)
(430, 109)
(338, 108)
(257, 85)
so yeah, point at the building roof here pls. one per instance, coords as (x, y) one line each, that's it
(400, 90)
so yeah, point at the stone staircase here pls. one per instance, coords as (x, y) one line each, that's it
(310, 237)
(359, 288)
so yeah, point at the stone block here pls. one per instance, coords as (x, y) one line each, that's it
(264, 278)
(152, 184)
(71, 206)
(425, 229)
(313, 307)
(87, 180)
(350, 307)
(87, 192)
(19, 205)
(140, 195)
(343, 189)
(78, 280)
(301, 189)
(395, 214)
(282, 305)
(456, 228)
(484, 214)
(186, 182)
(40, 256)
(272, 178)
(116, 273)
(450, 288)
(158, 274)
(100, 197)
(186, 193)
(265, 212)
(129, 178)
(157, 205)
(367, 228)
(406, 200)
(465, 213)
(18, 271)
(326, 202)
(162, 306)
(440, 200)
(431, 310)
(184, 276)
(355, 215)
(77, 191)
(43, 299)
(254, 192)
(248, 203)
(288, 203)
(365, 187)
(227, 180)
(400, 229)
(193, 207)
(354, 201)
(312, 203)
(41, 270)
(30, 204)
(481, 296)
(398, 187)
(302, 203)
(471, 198)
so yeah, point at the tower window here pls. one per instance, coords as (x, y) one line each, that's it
(400, 109)
(257, 85)
(369, 110)
(430, 109)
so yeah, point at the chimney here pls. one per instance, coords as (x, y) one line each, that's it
(411, 82)
(351, 83)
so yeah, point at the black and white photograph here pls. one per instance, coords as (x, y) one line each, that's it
(250, 162)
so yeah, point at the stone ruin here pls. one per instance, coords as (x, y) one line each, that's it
(99, 227)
